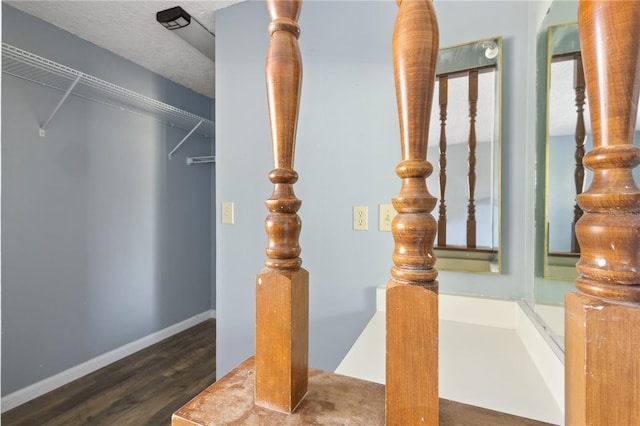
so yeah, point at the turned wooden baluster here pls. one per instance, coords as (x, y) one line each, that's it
(412, 291)
(603, 317)
(282, 289)
(442, 211)
(580, 135)
(471, 208)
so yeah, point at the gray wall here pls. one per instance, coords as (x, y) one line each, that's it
(347, 150)
(105, 241)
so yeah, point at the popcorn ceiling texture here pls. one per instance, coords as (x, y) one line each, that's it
(129, 29)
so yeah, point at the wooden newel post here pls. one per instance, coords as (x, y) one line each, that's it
(603, 316)
(412, 291)
(282, 288)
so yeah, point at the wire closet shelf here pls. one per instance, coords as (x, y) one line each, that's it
(28, 66)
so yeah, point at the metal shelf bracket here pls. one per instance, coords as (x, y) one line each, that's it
(64, 98)
(185, 138)
(36, 69)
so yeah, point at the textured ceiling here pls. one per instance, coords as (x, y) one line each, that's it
(129, 29)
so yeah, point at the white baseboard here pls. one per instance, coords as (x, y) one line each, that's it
(488, 312)
(50, 383)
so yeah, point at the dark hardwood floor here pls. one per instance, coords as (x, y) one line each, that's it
(142, 389)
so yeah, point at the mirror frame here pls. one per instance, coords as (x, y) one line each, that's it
(546, 294)
(462, 259)
(562, 40)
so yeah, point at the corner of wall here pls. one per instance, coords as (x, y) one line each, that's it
(546, 354)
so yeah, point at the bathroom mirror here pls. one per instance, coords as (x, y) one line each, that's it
(558, 56)
(464, 149)
(567, 137)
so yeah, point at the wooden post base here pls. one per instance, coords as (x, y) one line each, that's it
(282, 339)
(412, 355)
(332, 400)
(602, 359)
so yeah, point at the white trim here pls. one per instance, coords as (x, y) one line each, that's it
(545, 353)
(547, 356)
(477, 310)
(381, 298)
(50, 383)
(520, 332)
(468, 309)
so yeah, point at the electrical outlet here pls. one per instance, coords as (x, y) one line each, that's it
(360, 218)
(386, 215)
(227, 212)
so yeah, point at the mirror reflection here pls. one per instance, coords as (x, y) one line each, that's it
(464, 150)
(567, 139)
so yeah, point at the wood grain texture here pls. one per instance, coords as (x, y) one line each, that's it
(412, 302)
(602, 375)
(603, 319)
(282, 339)
(282, 289)
(333, 400)
(412, 355)
(580, 136)
(609, 230)
(415, 50)
(284, 81)
(142, 389)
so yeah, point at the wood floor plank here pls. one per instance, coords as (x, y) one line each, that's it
(142, 389)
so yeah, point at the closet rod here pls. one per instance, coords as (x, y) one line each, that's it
(201, 160)
(30, 67)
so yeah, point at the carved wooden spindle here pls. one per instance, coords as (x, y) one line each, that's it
(580, 136)
(282, 289)
(412, 291)
(603, 317)
(471, 208)
(442, 211)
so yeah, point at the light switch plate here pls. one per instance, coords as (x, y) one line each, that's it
(227, 212)
(386, 215)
